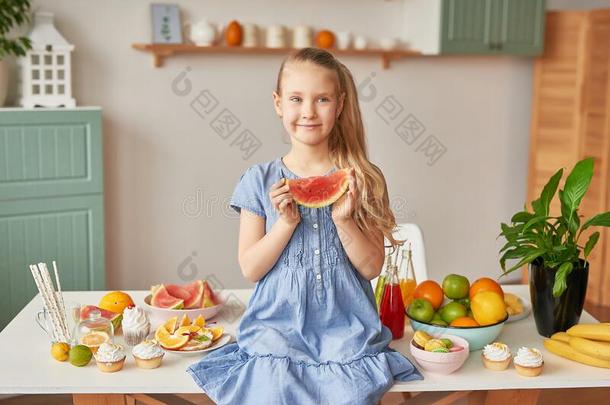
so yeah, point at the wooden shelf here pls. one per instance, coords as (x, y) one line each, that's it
(162, 51)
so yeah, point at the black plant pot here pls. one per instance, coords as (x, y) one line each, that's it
(557, 314)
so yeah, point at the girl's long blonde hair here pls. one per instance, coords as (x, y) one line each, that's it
(347, 146)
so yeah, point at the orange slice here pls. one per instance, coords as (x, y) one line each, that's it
(170, 324)
(187, 330)
(199, 321)
(173, 342)
(217, 332)
(185, 320)
(94, 339)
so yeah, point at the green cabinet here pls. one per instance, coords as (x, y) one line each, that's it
(51, 201)
(513, 27)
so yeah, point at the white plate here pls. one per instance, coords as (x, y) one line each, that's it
(527, 307)
(223, 340)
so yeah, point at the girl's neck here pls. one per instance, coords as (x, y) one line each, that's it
(308, 163)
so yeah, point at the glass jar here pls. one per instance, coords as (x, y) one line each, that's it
(94, 330)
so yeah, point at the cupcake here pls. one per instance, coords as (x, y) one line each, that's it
(110, 357)
(148, 354)
(136, 325)
(529, 362)
(496, 356)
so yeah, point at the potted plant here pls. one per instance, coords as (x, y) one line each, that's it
(552, 247)
(14, 13)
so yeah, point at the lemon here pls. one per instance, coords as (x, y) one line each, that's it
(80, 355)
(60, 351)
(488, 308)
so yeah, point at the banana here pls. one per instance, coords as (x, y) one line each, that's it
(561, 336)
(514, 305)
(595, 331)
(565, 350)
(591, 347)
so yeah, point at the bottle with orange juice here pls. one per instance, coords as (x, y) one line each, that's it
(407, 276)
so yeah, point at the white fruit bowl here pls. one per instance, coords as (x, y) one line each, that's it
(159, 315)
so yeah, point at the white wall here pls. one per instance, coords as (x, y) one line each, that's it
(159, 153)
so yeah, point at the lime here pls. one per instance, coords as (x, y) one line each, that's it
(80, 355)
(60, 351)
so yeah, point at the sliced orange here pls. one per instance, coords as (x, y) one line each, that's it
(187, 330)
(94, 338)
(217, 332)
(170, 324)
(199, 321)
(173, 342)
(161, 333)
(185, 320)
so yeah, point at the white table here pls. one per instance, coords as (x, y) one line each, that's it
(28, 367)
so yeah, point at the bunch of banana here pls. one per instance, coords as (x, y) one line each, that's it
(587, 343)
(514, 305)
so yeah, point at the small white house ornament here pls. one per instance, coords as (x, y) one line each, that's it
(45, 70)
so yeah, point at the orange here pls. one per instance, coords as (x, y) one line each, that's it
(170, 324)
(199, 321)
(431, 291)
(485, 284)
(173, 342)
(325, 39)
(115, 301)
(187, 330)
(94, 339)
(217, 332)
(488, 307)
(185, 320)
(464, 321)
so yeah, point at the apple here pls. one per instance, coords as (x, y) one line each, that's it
(451, 311)
(421, 310)
(456, 287)
(465, 302)
(437, 320)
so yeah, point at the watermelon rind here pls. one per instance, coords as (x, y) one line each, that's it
(316, 201)
(195, 289)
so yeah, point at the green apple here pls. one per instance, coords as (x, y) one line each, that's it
(437, 320)
(421, 310)
(465, 302)
(456, 286)
(451, 311)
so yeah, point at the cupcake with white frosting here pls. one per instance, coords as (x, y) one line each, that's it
(148, 354)
(110, 357)
(136, 325)
(529, 362)
(496, 356)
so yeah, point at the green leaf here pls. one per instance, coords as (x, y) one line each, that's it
(598, 220)
(534, 221)
(541, 205)
(202, 338)
(591, 243)
(527, 259)
(577, 183)
(560, 284)
(522, 216)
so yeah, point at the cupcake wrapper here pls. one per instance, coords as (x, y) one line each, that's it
(132, 338)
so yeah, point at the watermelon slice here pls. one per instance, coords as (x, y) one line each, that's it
(209, 299)
(319, 191)
(195, 290)
(161, 298)
(178, 292)
(112, 316)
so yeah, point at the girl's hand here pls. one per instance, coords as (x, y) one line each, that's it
(344, 207)
(282, 202)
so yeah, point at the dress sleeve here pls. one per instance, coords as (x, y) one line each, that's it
(249, 193)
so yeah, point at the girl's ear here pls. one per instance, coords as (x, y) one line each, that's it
(340, 105)
(277, 103)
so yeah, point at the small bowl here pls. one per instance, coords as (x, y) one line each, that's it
(159, 315)
(477, 336)
(441, 363)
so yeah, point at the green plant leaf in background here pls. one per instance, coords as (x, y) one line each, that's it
(562, 274)
(576, 186)
(598, 220)
(541, 205)
(591, 243)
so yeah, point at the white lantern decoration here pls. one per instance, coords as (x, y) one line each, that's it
(45, 70)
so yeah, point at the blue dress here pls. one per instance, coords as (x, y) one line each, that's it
(311, 333)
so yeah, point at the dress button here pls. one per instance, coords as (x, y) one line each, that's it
(315, 226)
(319, 277)
(317, 251)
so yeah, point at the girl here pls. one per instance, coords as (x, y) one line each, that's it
(311, 333)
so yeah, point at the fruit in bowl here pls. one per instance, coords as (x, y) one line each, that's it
(440, 353)
(192, 299)
(476, 311)
(187, 335)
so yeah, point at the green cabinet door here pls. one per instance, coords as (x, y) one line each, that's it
(51, 201)
(522, 27)
(465, 26)
(511, 27)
